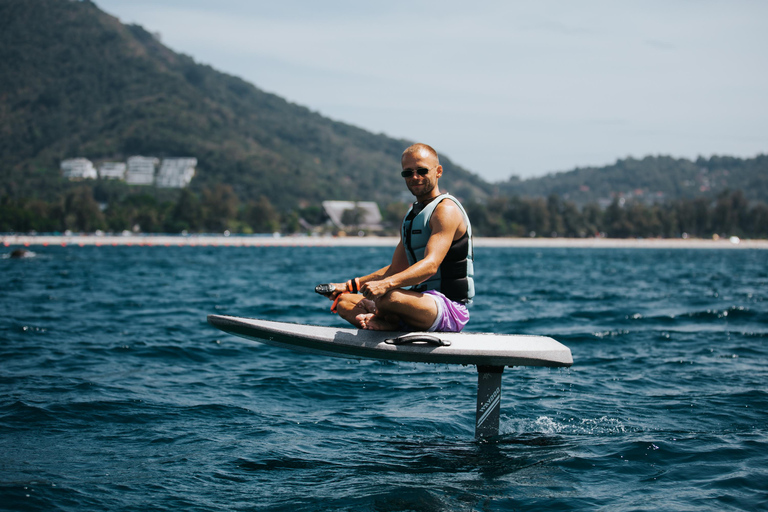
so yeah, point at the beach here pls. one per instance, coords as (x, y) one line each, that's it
(215, 240)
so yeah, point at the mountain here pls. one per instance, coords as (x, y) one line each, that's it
(652, 179)
(75, 82)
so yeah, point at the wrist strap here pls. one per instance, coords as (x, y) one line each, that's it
(353, 286)
(336, 302)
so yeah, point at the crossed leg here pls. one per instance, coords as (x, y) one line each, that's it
(388, 311)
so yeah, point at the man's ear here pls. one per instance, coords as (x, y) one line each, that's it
(439, 170)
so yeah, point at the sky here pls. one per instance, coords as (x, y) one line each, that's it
(502, 88)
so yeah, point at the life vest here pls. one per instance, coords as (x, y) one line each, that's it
(455, 277)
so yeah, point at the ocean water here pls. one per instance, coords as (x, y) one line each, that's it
(115, 394)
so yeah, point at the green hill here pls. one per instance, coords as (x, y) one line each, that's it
(652, 179)
(74, 81)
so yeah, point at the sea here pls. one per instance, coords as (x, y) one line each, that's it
(116, 394)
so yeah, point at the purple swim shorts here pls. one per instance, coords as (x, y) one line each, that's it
(451, 316)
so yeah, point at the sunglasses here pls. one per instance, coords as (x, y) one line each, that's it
(421, 171)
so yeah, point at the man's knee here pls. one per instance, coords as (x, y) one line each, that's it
(390, 300)
(346, 303)
(351, 304)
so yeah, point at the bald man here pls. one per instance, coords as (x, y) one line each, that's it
(430, 281)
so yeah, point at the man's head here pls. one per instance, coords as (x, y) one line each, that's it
(421, 170)
(422, 148)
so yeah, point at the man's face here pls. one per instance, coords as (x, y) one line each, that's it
(420, 185)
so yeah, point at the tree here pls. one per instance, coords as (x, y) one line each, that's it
(615, 221)
(537, 217)
(187, 213)
(554, 209)
(219, 207)
(573, 221)
(593, 219)
(730, 213)
(394, 213)
(261, 216)
(81, 211)
(758, 221)
(353, 217)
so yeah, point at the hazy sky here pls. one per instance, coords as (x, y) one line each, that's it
(501, 87)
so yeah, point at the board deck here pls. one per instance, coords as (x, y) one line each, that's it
(479, 349)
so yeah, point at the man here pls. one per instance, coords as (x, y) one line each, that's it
(430, 279)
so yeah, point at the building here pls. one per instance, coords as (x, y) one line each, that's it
(353, 214)
(78, 169)
(141, 170)
(176, 172)
(112, 171)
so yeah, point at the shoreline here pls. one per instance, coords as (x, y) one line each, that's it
(82, 240)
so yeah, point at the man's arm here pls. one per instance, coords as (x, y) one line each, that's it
(447, 220)
(399, 263)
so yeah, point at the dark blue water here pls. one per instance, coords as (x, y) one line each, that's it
(115, 394)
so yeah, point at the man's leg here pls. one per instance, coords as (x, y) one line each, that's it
(415, 309)
(351, 305)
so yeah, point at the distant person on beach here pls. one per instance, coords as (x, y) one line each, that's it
(430, 280)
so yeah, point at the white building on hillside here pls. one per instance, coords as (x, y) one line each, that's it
(78, 169)
(141, 170)
(176, 172)
(112, 171)
(358, 214)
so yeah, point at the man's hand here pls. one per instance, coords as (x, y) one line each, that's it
(374, 289)
(338, 289)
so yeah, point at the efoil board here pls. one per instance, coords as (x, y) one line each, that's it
(481, 349)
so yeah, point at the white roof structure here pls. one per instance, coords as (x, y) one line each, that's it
(176, 172)
(138, 170)
(141, 170)
(367, 212)
(112, 170)
(78, 169)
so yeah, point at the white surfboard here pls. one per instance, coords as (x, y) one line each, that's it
(489, 352)
(442, 347)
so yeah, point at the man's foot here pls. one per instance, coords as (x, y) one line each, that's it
(374, 323)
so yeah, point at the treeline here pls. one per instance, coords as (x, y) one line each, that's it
(214, 210)
(114, 207)
(218, 209)
(729, 215)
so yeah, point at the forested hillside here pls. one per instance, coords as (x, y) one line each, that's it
(651, 180)
(76, 82)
